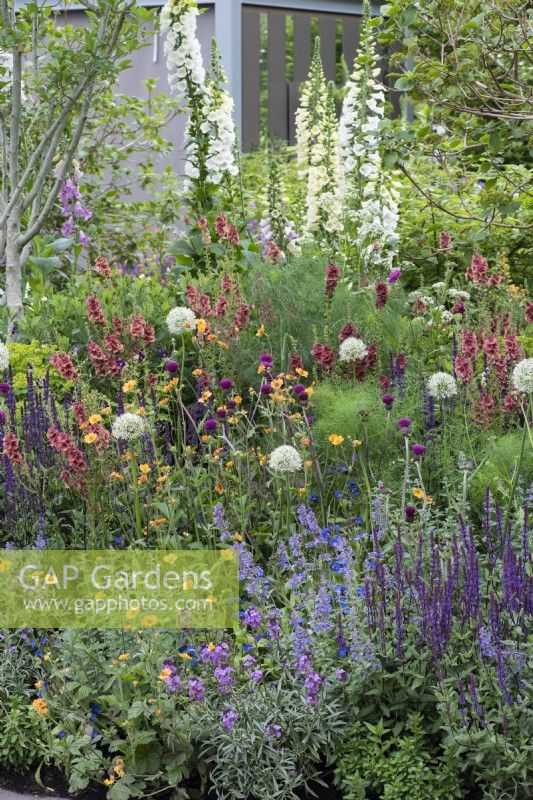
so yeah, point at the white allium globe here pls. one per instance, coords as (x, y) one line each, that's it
(128, 427)
(4, 357)
(442, 386)
(352, 349)
(180, 320)
(523, 376)
(285, 459)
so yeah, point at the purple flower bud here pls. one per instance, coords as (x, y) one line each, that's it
(410, 513)
(210, 424)
(221, 413)
(418, 450)
(387, 400)
(4, 388)
(299, 388)
(265, 388)
(172, 367)
(404, 424)
(231, 404)
(394, 275)
(266, 360)
(229, 718)
(226, 383)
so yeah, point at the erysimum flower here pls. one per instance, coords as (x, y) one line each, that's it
(128, 427)
(442, 386)
(180, 320)
(4, 357)
(352, 349)
(285, 459)
(523, 376)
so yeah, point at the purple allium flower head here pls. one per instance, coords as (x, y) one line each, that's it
(410, 513)
(210, 424)
(172, 366)
(394, 275)
(404, 423)
(4, 389)
(221, 413)
(265, 388)
(228, 719)
(226, 383)
(266, 360)
(387, 400)
(418, 450)
(299, 388)
(231, 404)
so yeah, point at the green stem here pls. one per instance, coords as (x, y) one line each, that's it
(136, 498)
(516, 473)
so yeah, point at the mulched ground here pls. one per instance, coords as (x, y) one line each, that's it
(56, 786)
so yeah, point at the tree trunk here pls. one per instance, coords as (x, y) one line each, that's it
(13, 295)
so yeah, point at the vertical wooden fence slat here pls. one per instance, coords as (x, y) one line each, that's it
(350, 39)
(278, 117)
(302, 46)
(251, 78)
(327, 30)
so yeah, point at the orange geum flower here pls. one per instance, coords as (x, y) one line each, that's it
(219, 489)
(126, 456)
(164, 402)
(306, 441)
(277, 383)
(117, 476)
(107, 410)
(237, 399)
(335, 439)
(238, 537)
(40, 706)
(197, 372)
(141, 411)
(418, 493)
(162, 479)
(154, 523)
(211, 337)
(205, 437)
(129, 386)
(303, 373)
(89, 438)
(142, 479)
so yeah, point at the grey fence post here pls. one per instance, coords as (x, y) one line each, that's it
(228, 33)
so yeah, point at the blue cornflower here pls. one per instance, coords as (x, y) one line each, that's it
(313, 498)
(338, 494)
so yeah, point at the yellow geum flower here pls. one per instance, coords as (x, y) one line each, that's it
(123, 656)
(89, 438)
(201, 325)
(145, 469)
(260, 331)
(335, 439)
(129, 386)
(418, 493)
(94, 419)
